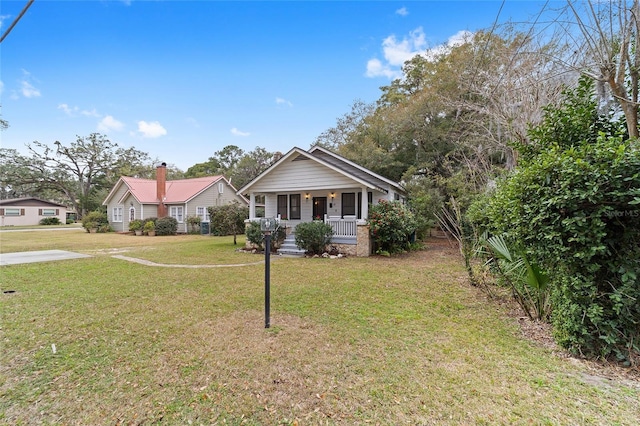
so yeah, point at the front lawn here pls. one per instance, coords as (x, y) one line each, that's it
(353, 341)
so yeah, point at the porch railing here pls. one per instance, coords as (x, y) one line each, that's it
(342, 228)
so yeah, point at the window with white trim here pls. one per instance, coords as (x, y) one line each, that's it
(220, 187)
(11, 212)
(117, 214)
(48, 212)
(177, 213)
(132, 213)
(203, 214)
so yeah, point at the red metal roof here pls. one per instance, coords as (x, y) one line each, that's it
(178, 191)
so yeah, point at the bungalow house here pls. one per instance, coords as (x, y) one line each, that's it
(319, 185)
(134, 198)
(29, 211)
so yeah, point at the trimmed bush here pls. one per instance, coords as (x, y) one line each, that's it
(136, 225)
(166, 226)
(50, 221)
(313, 237)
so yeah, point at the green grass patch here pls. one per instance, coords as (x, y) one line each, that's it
(353, 341)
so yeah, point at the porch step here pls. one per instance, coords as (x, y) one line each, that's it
(289, 247)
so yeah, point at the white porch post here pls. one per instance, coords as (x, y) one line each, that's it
(365, 204)
(252, 206)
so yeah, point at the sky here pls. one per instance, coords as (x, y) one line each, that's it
(180, 80)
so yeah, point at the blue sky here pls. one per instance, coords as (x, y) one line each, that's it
(182, 79)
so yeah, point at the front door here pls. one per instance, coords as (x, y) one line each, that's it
(319, 207)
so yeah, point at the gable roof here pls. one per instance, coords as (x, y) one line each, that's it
(177, 191)
(334, 162)
(29, 201)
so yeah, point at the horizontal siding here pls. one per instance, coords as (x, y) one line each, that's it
(295, 176)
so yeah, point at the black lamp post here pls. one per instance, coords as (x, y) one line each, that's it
(267, 226)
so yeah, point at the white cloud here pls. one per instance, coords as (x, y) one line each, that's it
(402, 11)
(237, 132)
(151, 130)
(397, 52)
(281, 101)
(75, 111)
(109, 123)
(375, 68)
(2, 19)
(27, 89)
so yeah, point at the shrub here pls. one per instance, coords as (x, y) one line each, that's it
(136, 225)
(70, 221)
(50, 221)
(314, 236)
(166, 226)
(392, 225)
(149, 226)
(256, 237)
(94, 219)
(574, 208)
(228, 219)
(193, 224)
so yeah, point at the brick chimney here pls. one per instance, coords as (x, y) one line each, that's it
(161, 191)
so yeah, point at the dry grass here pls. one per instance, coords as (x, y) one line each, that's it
(353, 341)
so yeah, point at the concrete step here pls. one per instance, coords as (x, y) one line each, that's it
(289, 247)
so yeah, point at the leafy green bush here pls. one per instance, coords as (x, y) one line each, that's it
(256, 237)
(136, 225)
(228, 219)
(193, 224)
(392, 224)
(50, 221)
(95, 219)
(313, 237)
(574, 208)
(166, 226)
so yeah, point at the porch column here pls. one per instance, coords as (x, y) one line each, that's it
(252, 206)
(365, 203)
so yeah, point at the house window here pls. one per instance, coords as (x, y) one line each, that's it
(48, 212)
(12, 212)
(132, 214)
(117, 214)
(176, 212)
(203, 214)
(220, 188)
(294, 206)
(282, 206)
(348, 204)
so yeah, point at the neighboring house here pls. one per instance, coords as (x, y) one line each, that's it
(134, 198)
(318, 184)
(29, 211)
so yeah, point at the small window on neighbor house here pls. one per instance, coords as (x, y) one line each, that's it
(220, 188)
(294, 206)
(396, 196)
(203, 214)
(11, 212)
(176, 212)
(132, 214)
(48, 212)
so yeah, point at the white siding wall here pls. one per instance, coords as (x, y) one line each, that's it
(301, 176)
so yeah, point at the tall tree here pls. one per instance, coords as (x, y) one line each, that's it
(610, 36)
(77, 171)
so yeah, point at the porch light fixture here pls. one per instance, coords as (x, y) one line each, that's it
(306, 196)
(333, 195)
